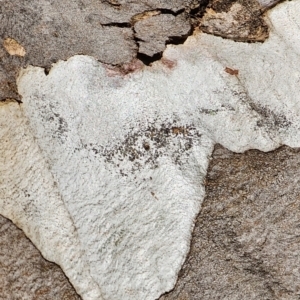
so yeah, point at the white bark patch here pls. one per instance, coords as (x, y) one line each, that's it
(30, 197)
(129, 154)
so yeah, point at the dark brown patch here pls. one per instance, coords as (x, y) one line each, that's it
(232, 71)
(146, 146)
(180, 130)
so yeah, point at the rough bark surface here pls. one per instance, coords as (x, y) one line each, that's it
(153, 32)
(24, 273)
(114, 32)
(245, 243)
(237, 20)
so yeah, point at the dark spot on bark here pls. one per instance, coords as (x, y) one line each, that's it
(146, 146)
(231, 71)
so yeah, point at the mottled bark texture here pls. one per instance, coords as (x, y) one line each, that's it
(24, 273)
(245, 244)
(114, 32)
(246, 239)
(238, 20)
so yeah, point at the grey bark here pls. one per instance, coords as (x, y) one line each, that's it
(245, 243)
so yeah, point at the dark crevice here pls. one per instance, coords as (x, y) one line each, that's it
(196, 13)
(175, 40)
(113, 3)
(148, 60)
(178, 40)
(47, 70)
(193, 15)
(171, 12)
(8, 100)
(120, 25)
(138, 39)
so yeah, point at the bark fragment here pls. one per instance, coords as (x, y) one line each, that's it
(153, 33)
(13, 47)
(240, 20)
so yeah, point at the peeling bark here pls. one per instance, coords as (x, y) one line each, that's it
(115, 32)
(153, 33)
